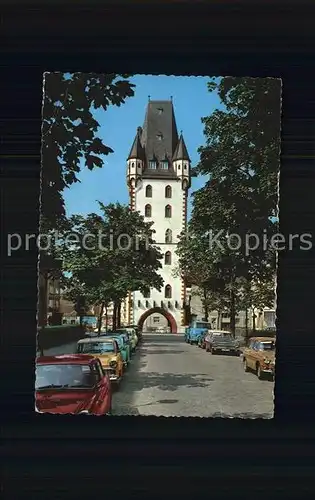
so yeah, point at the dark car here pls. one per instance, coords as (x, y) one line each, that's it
(222, 343)
(201, 340)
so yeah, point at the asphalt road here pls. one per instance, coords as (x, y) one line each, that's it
(168, 377)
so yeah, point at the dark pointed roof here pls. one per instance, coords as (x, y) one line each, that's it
(181, 152)
(159, 138)
(136, 151)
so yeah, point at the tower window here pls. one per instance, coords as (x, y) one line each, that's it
(168, 292)
(168, 236)
(132, 165)
(148, 211)
(148, 191)
(168, 258)
(152, 165)
(168, 211)
(178, 167)
(159, 137)
(164, 165)
(147, 294)
(168, 192)
(160, 111)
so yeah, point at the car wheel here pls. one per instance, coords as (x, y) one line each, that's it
(213, 351)
(246, 369)
(259, 372)
(207, 349)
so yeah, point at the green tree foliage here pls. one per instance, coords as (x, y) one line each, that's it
(70, 133)
(109, 255)
(241, 159)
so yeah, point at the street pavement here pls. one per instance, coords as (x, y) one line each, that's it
(168, 377)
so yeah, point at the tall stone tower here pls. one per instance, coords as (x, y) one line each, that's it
(158, 178)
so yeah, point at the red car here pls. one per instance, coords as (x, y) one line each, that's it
(72, 383)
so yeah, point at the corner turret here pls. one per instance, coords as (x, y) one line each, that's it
(181, 163)
(135, 161)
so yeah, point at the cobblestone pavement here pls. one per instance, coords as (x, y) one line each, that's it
(168, 377)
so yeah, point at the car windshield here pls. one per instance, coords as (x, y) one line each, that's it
(203, 325)
(223, 337)
(267, 346)
(63, 376)
(96, 347)
(119, 340)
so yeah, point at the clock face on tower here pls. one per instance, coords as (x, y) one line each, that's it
(158, 178)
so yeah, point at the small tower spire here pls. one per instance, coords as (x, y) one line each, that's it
(181, 152)
(136, 151)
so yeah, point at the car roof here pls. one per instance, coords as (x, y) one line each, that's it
(95, 339)
(263, 339)
(65, 359)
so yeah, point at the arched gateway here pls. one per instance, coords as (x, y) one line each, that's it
(158, 310)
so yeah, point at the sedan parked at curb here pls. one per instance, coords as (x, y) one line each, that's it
(108, 352)
(259, 356)
(221, 342)
(72, 384)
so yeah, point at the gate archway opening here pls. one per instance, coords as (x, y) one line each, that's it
(158, 310)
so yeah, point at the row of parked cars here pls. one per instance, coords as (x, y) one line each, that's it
(83, 382)
(258, 356)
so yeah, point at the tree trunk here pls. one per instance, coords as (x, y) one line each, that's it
(205, 306)
(246, 324)
(254, 320)
(106, 318)
(100, 316)
(219, 322)
(119, 314)
(232, 312)
(115, 317)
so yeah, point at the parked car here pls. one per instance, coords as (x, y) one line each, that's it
(193, 331)
(137, 330)
(108, 352)
(124, 348)
(125, 337)
(221, 341)
(132, 336)
(201, 340)
(259, 356)
(72, 384)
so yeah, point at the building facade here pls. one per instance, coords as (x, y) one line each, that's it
(266, 318)
(158, 179)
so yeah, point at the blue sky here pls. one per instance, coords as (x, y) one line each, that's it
(118, 126)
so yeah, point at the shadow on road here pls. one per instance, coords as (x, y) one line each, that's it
(168, 381)
(161, 351)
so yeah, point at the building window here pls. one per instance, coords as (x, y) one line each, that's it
(152, 165)
(168, 258)
(148, 211)
(164, 165)
(132, 165)
(178, 167)
(159, 137)
(168, 211)
(168, 192)
(156, 319)
(168, 236)
(148, 191)
(160, 111)
(168, 292)
(147, 294)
